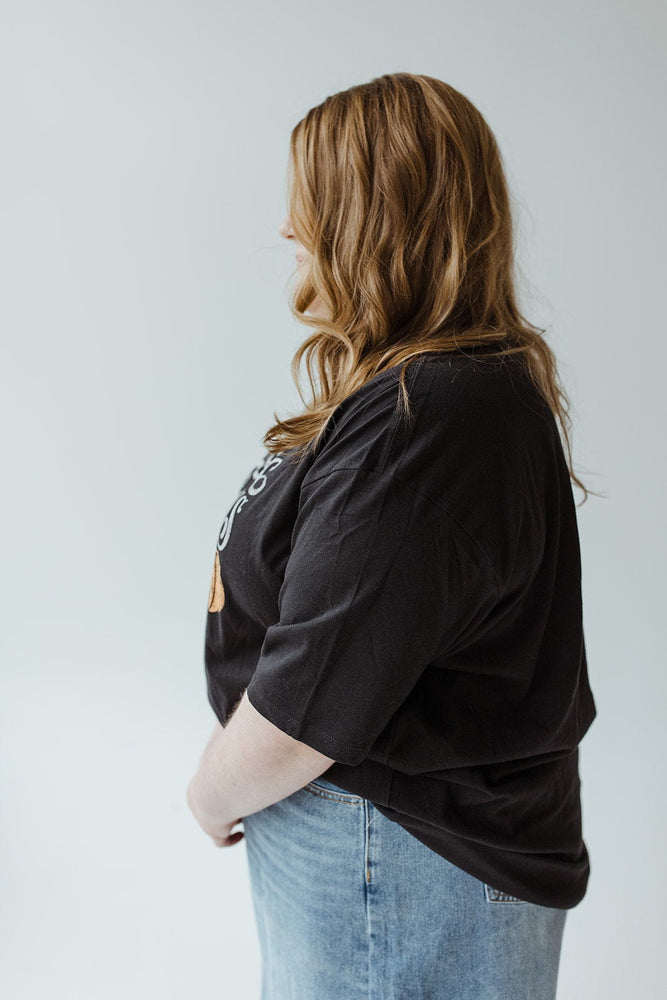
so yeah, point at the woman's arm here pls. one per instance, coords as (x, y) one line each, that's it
(250, 764)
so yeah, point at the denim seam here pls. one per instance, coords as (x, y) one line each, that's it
(325, 793)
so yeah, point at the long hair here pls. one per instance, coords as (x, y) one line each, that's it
(397, 191)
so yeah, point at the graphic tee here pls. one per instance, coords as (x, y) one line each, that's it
(407, 601)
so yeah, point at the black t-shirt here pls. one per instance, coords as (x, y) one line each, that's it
(407, 601)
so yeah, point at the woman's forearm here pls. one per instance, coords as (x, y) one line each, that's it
(250, 764)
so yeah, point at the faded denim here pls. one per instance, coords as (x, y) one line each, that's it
(350, 906)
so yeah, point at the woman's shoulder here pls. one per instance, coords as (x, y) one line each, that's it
(461, 407)
(452, 386)
(493, 393)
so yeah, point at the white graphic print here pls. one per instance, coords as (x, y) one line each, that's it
(259, 480)
(259, 477)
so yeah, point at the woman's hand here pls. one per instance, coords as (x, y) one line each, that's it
(219, 830)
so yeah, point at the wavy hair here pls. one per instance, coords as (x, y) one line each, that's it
(397, 191)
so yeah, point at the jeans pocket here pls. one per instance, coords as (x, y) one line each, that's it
(498, 896)
(327, 790)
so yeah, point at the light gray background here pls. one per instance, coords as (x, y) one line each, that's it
(146, 343)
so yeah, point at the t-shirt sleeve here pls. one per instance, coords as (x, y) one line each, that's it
(379, 582)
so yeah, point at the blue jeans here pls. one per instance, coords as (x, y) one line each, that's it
(350, 906)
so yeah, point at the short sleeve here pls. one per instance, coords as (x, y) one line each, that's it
(378, 583)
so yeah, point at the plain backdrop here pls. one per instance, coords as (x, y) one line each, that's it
(146, 343)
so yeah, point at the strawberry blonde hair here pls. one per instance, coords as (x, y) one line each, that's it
(396, 188)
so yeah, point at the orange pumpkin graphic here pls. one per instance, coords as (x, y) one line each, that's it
(216, 596)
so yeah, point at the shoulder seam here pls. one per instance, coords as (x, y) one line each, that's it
(436, 503)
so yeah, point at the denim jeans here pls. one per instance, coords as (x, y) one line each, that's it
(350, 906)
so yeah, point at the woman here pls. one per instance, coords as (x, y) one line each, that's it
(394, 641)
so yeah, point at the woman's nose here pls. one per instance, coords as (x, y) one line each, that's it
(285, 229)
